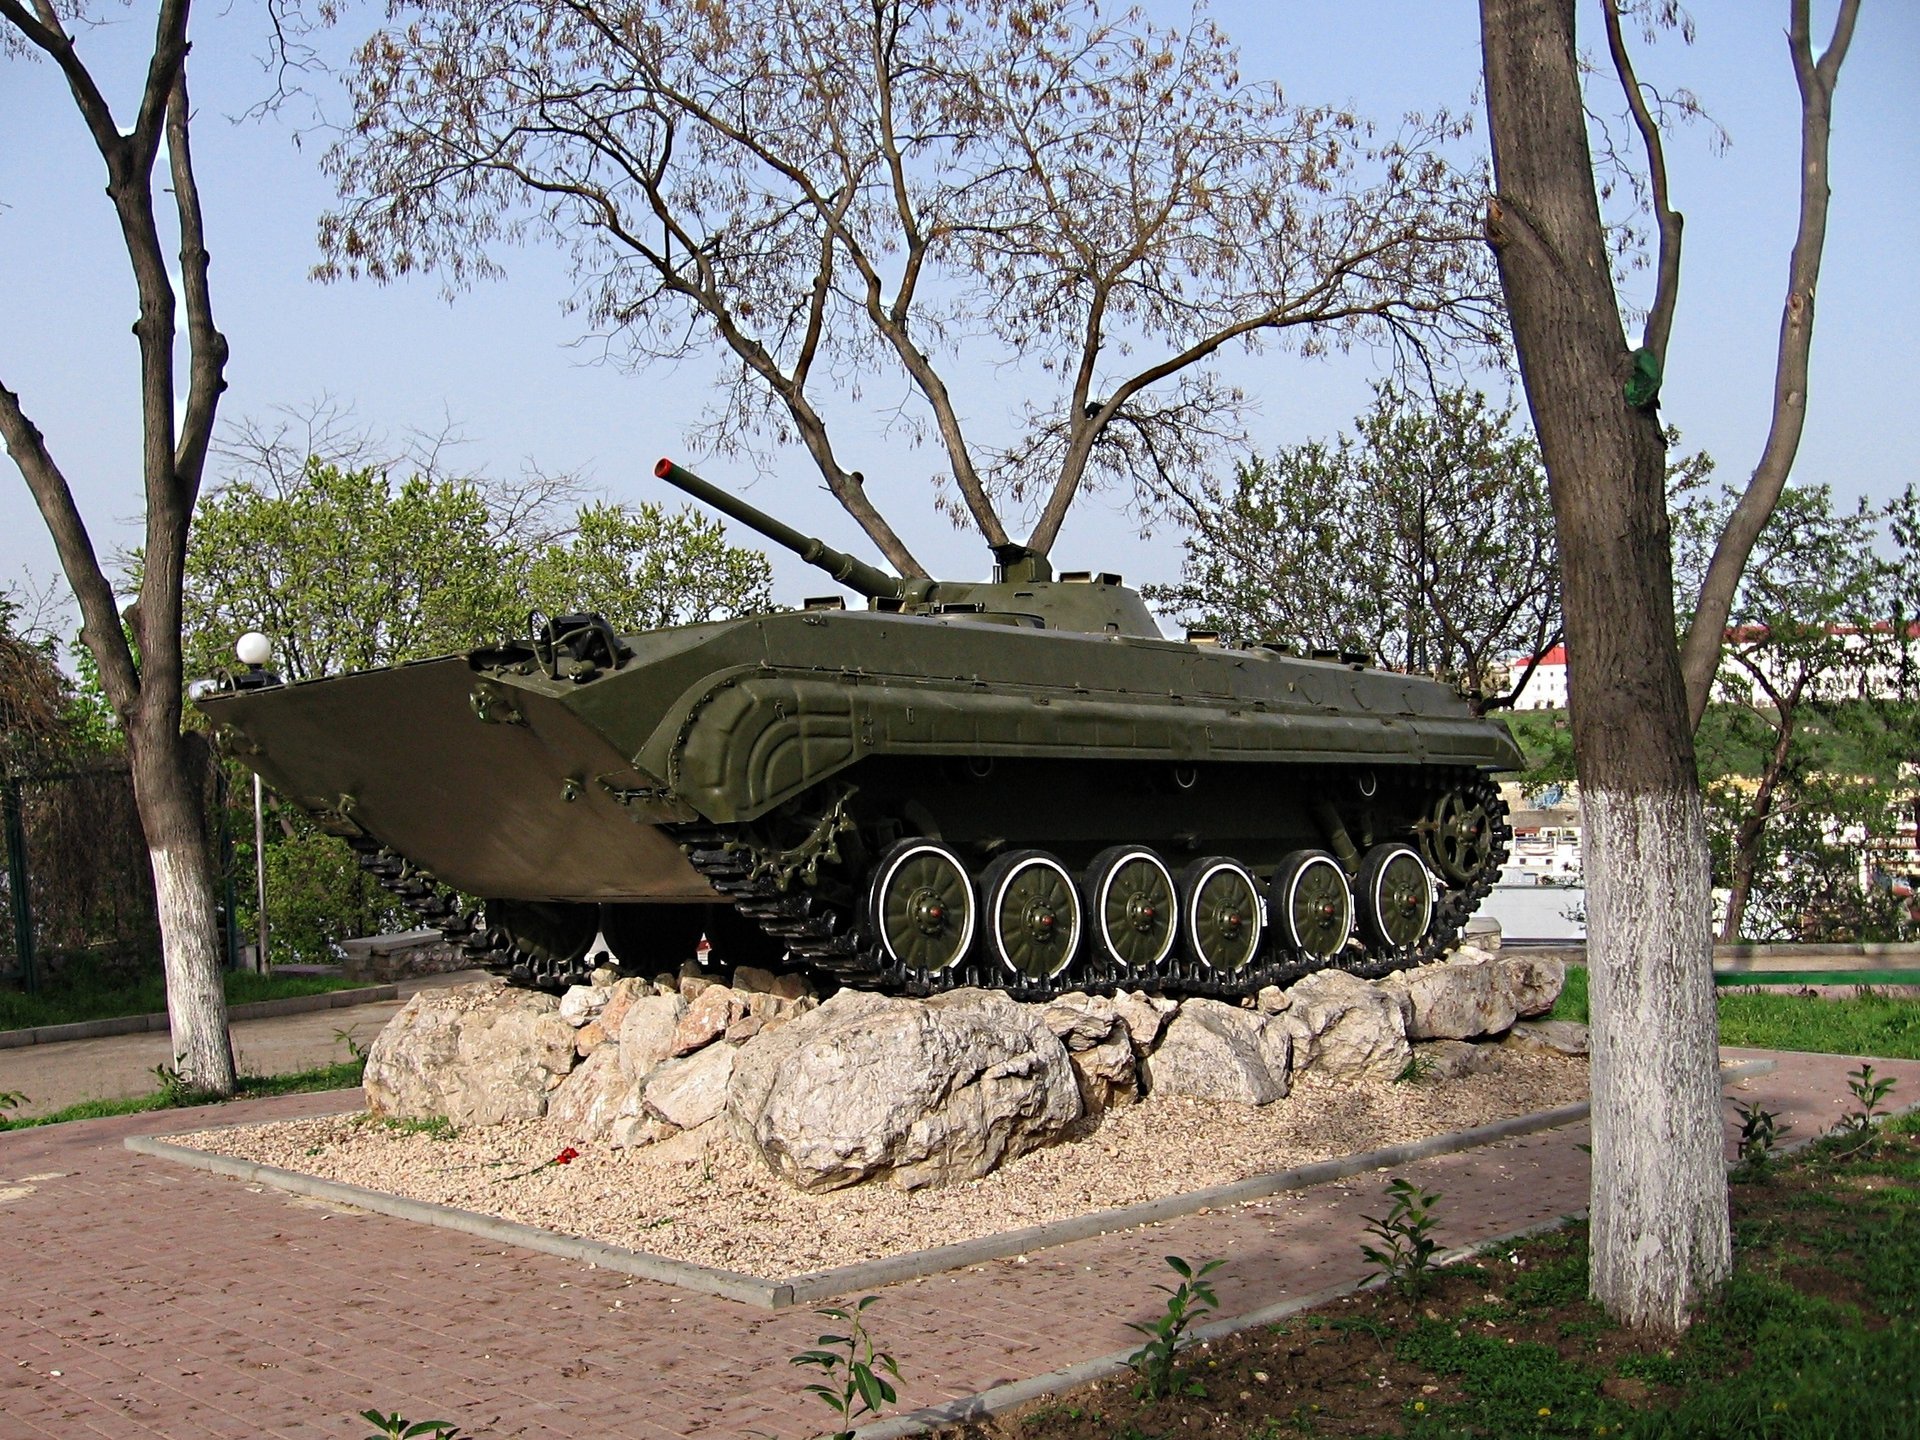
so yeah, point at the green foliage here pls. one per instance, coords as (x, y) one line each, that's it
(1870, 1025)
(1760, 1135)
(1804, 762)
(1545, 738)
(394, 1427)
(317, 893)
(1869, 1096)
(1187, 1302)
(645, 568)
(1426, 538)
(855, 1381)
(169, 1093)
(11, 1100)
(1404, 1256)
(344, 571)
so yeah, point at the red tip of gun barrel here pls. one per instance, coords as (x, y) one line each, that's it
(660, 470)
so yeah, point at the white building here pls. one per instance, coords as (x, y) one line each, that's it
(1546, 688)
(1883, 678)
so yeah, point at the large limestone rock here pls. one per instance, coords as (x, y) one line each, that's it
(1144, 1016)
(1532, 982)
(595, 1100)
(707, 1017)
(1107, 1073)
(648, 1032)
(582, 1003)
(1082, 1021)
(922, 1091)
(1553, 1037)
(1344, 1028)
(1213, 1051)
(474, 1054)
(693, 1090)
(1455, 1000)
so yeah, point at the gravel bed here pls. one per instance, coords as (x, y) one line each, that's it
(725, 1208)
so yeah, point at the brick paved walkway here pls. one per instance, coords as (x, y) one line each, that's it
(140, 1298)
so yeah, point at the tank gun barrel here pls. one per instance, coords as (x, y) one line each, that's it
(855, 574)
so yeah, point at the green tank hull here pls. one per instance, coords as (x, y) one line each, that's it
(1017, 784)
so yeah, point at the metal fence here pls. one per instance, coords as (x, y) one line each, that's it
(78, 887)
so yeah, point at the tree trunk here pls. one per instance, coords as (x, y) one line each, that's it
(172, 819)
(1659, 1196)
(1753, 825)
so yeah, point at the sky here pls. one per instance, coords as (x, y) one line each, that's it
(503, 362)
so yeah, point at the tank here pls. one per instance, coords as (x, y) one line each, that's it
(1018, 783)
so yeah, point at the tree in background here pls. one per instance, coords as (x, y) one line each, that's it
(646, 567)
(1801, 753)
(1426, 538)
(141, 674)
(345, 570)
(1659, 1238)
(845, 199)
(1811, 647)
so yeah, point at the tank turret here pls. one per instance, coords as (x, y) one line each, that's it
(1023, 591)
(1016, 783)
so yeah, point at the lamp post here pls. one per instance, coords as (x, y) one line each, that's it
(254, 650)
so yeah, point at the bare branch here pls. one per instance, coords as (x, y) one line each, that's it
(1700, 652)
(1666, 293)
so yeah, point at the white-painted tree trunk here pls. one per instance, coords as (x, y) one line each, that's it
(1660, 1236)
(196, 999)
(167, 787)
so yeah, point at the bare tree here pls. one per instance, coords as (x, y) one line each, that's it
(139, 664)
(849, 197)
(1660, 1235)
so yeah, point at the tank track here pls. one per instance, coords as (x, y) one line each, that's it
(822, 928)
(442, 909)
(825, 931)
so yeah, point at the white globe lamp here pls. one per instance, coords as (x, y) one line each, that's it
(254, 649)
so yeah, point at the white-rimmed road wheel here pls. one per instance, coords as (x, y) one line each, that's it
(1221, 917)
(1030, 909)
(1395, 895)
(1134, 907)
(1312, 904)
(922, 906)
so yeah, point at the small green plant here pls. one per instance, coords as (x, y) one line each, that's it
(1405, 1253)
(350, 1039)
(174, 1091)
(855, 1383)
(9, 1100)
(1153, 1362)
(396, 1427)
(1869, 1093)
(1416, 1071)
(1760, 1134)
(436, 1127)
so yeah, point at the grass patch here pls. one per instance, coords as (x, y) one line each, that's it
(86, 998)
(1870, 1025)
(341, 1076)
(1816, 1337)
